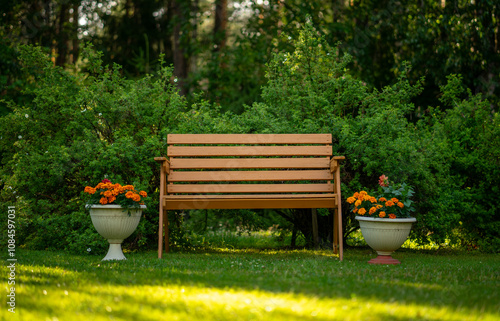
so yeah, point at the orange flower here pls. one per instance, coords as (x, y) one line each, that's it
(103, 201)
(381, 214)
(395, 200)
(379, 206)
(351, 200)
(401, 204)
(108, 193)
(355, 210)
(143, 194)
(373, 199)
(382, 199)
(136, 198)
(358, 203)
(129, 194)
(129, 187)
(392, 216)
(111, 199)
(362, 211)
(89, 190)
(355, 195)
(372, 210)
(389, 203)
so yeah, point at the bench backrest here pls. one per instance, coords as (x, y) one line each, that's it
(215, 164)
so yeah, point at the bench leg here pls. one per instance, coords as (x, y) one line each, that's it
(340, 236)
(315, 228)
(335, 232)
(167, 233)
(160, 234)
(163, 228)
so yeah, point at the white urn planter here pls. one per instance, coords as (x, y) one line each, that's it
(385, 235)
(114, 223)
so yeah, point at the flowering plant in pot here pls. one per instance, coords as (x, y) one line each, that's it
(108, 203)
(385, 220)
(108, 193)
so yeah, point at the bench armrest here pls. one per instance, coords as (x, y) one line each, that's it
(334, 162)
(164, 163)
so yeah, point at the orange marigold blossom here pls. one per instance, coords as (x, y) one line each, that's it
(382, 199)
(395, 200)
(381, 214)
(358, 203)
(108, 193)
(372, 210)
(362, 211)
(89, 190)
(401, 204)
(389, 203)
(351, 200)
(393, 216)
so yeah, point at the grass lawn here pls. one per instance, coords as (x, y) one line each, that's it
(255, 284)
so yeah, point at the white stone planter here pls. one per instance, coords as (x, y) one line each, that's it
(385, 236)
(115, 224)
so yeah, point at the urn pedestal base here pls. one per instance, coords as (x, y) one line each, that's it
(114, 253)
(384, 259)
(115, 224)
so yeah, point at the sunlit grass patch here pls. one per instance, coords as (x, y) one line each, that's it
(256, 284)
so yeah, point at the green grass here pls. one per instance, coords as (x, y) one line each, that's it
(256, 284)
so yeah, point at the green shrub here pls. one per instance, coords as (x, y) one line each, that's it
(77, 130)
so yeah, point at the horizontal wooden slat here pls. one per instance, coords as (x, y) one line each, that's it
(249, 203)
(199, 151)
(251, 196)
(238, 176)
(249, 188)
(213, 163)
(249, 139)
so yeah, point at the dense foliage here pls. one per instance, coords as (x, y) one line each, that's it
(79, 128)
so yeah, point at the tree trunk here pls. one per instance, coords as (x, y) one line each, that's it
(181, 60)
(220, 24)
(62, 40)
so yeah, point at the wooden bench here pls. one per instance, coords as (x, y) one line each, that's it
(249, 171)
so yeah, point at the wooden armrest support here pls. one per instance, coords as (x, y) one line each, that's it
(334, 162)
(164, 162)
